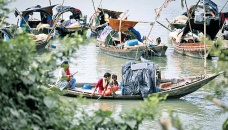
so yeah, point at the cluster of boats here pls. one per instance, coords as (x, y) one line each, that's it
(117, 36)
(189, 28)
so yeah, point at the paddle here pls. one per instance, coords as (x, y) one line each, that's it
(100, 97)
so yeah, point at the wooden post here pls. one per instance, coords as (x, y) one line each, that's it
(120, 24)
(50, 2)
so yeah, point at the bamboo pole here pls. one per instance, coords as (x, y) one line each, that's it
(23, 19)
(50, 2)
(120, 24)
(205, 58)
(164, 26)
(3, 19)
(54, 25)
(189, 15)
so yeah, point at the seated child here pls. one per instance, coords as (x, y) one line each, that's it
(113, 86)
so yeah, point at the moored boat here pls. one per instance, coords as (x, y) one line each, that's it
(5, 34)
(75, 22)
(196, 27)
(36, 19)
(191, 49)
(120, 39)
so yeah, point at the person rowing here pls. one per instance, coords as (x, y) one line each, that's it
(65, 78)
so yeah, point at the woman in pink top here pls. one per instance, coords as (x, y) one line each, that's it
(102, 84)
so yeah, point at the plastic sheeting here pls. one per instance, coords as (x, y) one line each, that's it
(138, 82)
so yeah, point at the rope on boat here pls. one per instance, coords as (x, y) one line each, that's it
(189, 15)
(224, 6)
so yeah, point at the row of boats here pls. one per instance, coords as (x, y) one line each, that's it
(117, 36)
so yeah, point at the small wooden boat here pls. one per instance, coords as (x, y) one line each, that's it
(36, 19)
(173, 88)
(120, 39)
(75, 23)
(5, 34)
(191, 49)
(157, 49)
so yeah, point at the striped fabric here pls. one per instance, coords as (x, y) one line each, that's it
(62, 84)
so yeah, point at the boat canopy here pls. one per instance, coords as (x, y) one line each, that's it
(111, 13)
(125, 24)
(77, 14)
(212, 6)
(38, 8)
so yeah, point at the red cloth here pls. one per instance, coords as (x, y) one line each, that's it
(99, 85)
(68, 73)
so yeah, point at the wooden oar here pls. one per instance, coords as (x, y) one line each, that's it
(100, 97)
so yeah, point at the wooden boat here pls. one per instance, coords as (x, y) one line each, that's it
(191, 49)
(157, 49)
(98, 21)
(187, 46)
(34, 24)
(5, 34)
(76, 22)
(173, 88)
(122, 40)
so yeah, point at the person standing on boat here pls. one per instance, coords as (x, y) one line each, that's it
(102, 84)
(65, 79)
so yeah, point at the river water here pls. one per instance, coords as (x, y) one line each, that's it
(193, 110)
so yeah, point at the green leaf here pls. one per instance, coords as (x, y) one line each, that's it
(131, 123)
(3, 70)
(49, 101)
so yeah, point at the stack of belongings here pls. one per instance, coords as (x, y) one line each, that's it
(140, 79)
(40, 38)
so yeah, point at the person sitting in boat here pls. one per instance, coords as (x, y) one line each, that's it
(102, 84)
(65, 79)
(70, 21)
(113, 86)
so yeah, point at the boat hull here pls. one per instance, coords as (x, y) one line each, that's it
(157, 50)
(133, 53)
(195, 50)
(177, 90)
